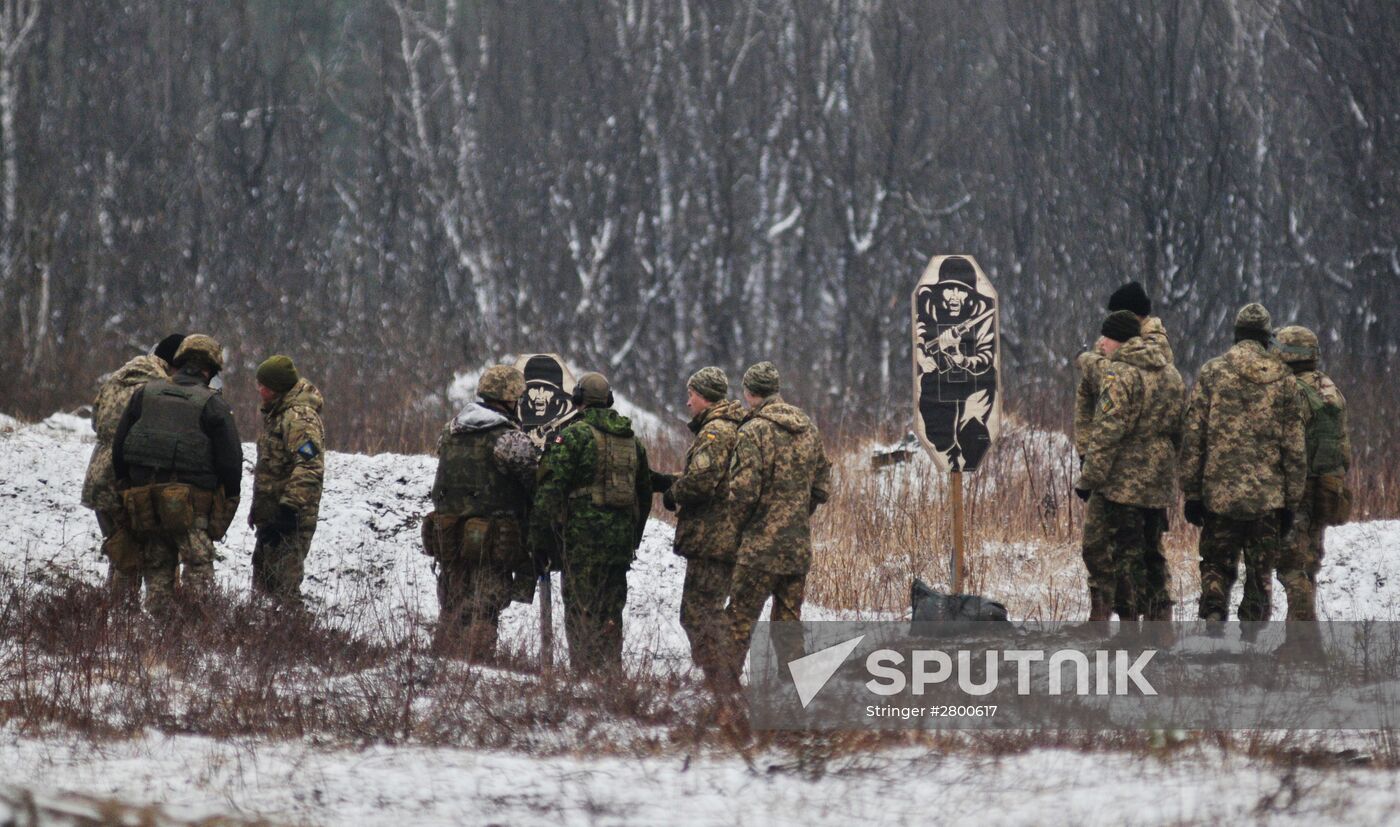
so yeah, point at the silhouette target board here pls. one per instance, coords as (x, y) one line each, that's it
(547, 405)
(957, 362)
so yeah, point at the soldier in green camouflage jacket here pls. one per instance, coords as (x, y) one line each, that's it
(1243, 467)
(777, 478)
(100, 484)
(287, 480)
(591, 504)
(705, 533)
(1130, 462)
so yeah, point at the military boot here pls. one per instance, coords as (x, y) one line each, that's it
(1100, 612)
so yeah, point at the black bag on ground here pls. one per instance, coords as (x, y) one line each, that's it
(936, 607)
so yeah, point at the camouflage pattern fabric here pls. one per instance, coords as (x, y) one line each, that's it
(752, 586)
(291, 463)
(1086, 396)
(163, 555)
(704, 527)
(707, 582)
(279, 567)
(1223, 540)
(1323, 385)
(1298, 565)
(472, 592)
(595, 595)
(1138, 592)
(778, 476)
(1131, 446)
(1155, 334)
(99, 486)
(1243, 452)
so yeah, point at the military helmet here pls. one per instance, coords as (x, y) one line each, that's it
(501, 383)
(1296, 344)
(592, 389)
(201, 348)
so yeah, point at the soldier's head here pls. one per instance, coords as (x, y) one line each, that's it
(501, 387)
(760, 383)
(166, 349)
(1297, 347)
(1253, 323)
(1132, 297)
(1119, 327)
(199, 353)
(953, 291)
(593, 391)
(704, 388)
(276, 376)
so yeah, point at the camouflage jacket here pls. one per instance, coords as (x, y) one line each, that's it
(573, 527)
(510, 474)
(1244, 450)
(1091, 364)
(1323, 385)
(1131, 446)
(99, 486)
(703, 524)
(291, 457)
(778, 476)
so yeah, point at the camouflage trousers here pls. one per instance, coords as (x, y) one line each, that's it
(706, 586)
(595, 595)
(471, 596)
(1122, 550)
(749, 591)
(162, 555)
(122, 551)
(1298, 565)
(280, 566)
(1223, 541)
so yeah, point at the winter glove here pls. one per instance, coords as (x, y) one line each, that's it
(1285, 521)
(1082, 493)
(669, 500)
(284, 524)
(661, 482)
(1195, 512)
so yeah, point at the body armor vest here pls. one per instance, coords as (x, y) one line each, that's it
(615, 474)
(168, 437)
(1324, 435)
(468, 483)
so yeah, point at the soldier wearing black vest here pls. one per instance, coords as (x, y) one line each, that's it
(178, 461)
(481, 497)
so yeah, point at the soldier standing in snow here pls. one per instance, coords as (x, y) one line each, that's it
(481, 499)
(1243, 467)
(591, 505)
(100, 484)
(178, 460)
(287, 480)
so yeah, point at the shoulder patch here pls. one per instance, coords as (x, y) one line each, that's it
(308, 450)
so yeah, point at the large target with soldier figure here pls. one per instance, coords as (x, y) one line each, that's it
(547, 405)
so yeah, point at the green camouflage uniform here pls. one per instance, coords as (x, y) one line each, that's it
(705, 533)
(1302, 554)
(593, 544)
(1098, 533)
(290, 472)
(1243, 458)
(100, 485)
(778, 476)
(1130, 465)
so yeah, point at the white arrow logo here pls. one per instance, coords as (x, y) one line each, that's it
(811, 672)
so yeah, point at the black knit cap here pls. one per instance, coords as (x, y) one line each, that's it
(1121, 325)
(1132, 297)
(165, 351)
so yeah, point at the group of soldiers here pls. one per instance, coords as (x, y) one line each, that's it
(505, 514)
(165, 475)
(1259, 449)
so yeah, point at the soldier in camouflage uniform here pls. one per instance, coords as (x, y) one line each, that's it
(591, 503)
(778, 476)
(1243, 467)
(177, 460)
(705, 534)
(100, 485)
(1129, 466)
(287, 480)
(1328, 450)
(481, 499)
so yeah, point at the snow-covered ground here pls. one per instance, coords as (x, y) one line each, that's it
(367, 554)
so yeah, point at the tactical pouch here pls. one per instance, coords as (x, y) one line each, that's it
(442, 535)
(174, 508)
(615, 480)
(141, 510)
(221, 513)
(475, 544)
(122, 549)
(1331, 500)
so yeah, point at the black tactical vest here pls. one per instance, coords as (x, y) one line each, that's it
(468, 483)
(168, 437)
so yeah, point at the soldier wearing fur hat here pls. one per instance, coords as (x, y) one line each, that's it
(287, 480)
(177, 460)
(481, 500)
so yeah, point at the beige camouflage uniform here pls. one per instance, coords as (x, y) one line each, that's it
(778, 476)
(705, 532)
(1243, 459)
(100, 484)
(290, 471)
(1130, 456)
